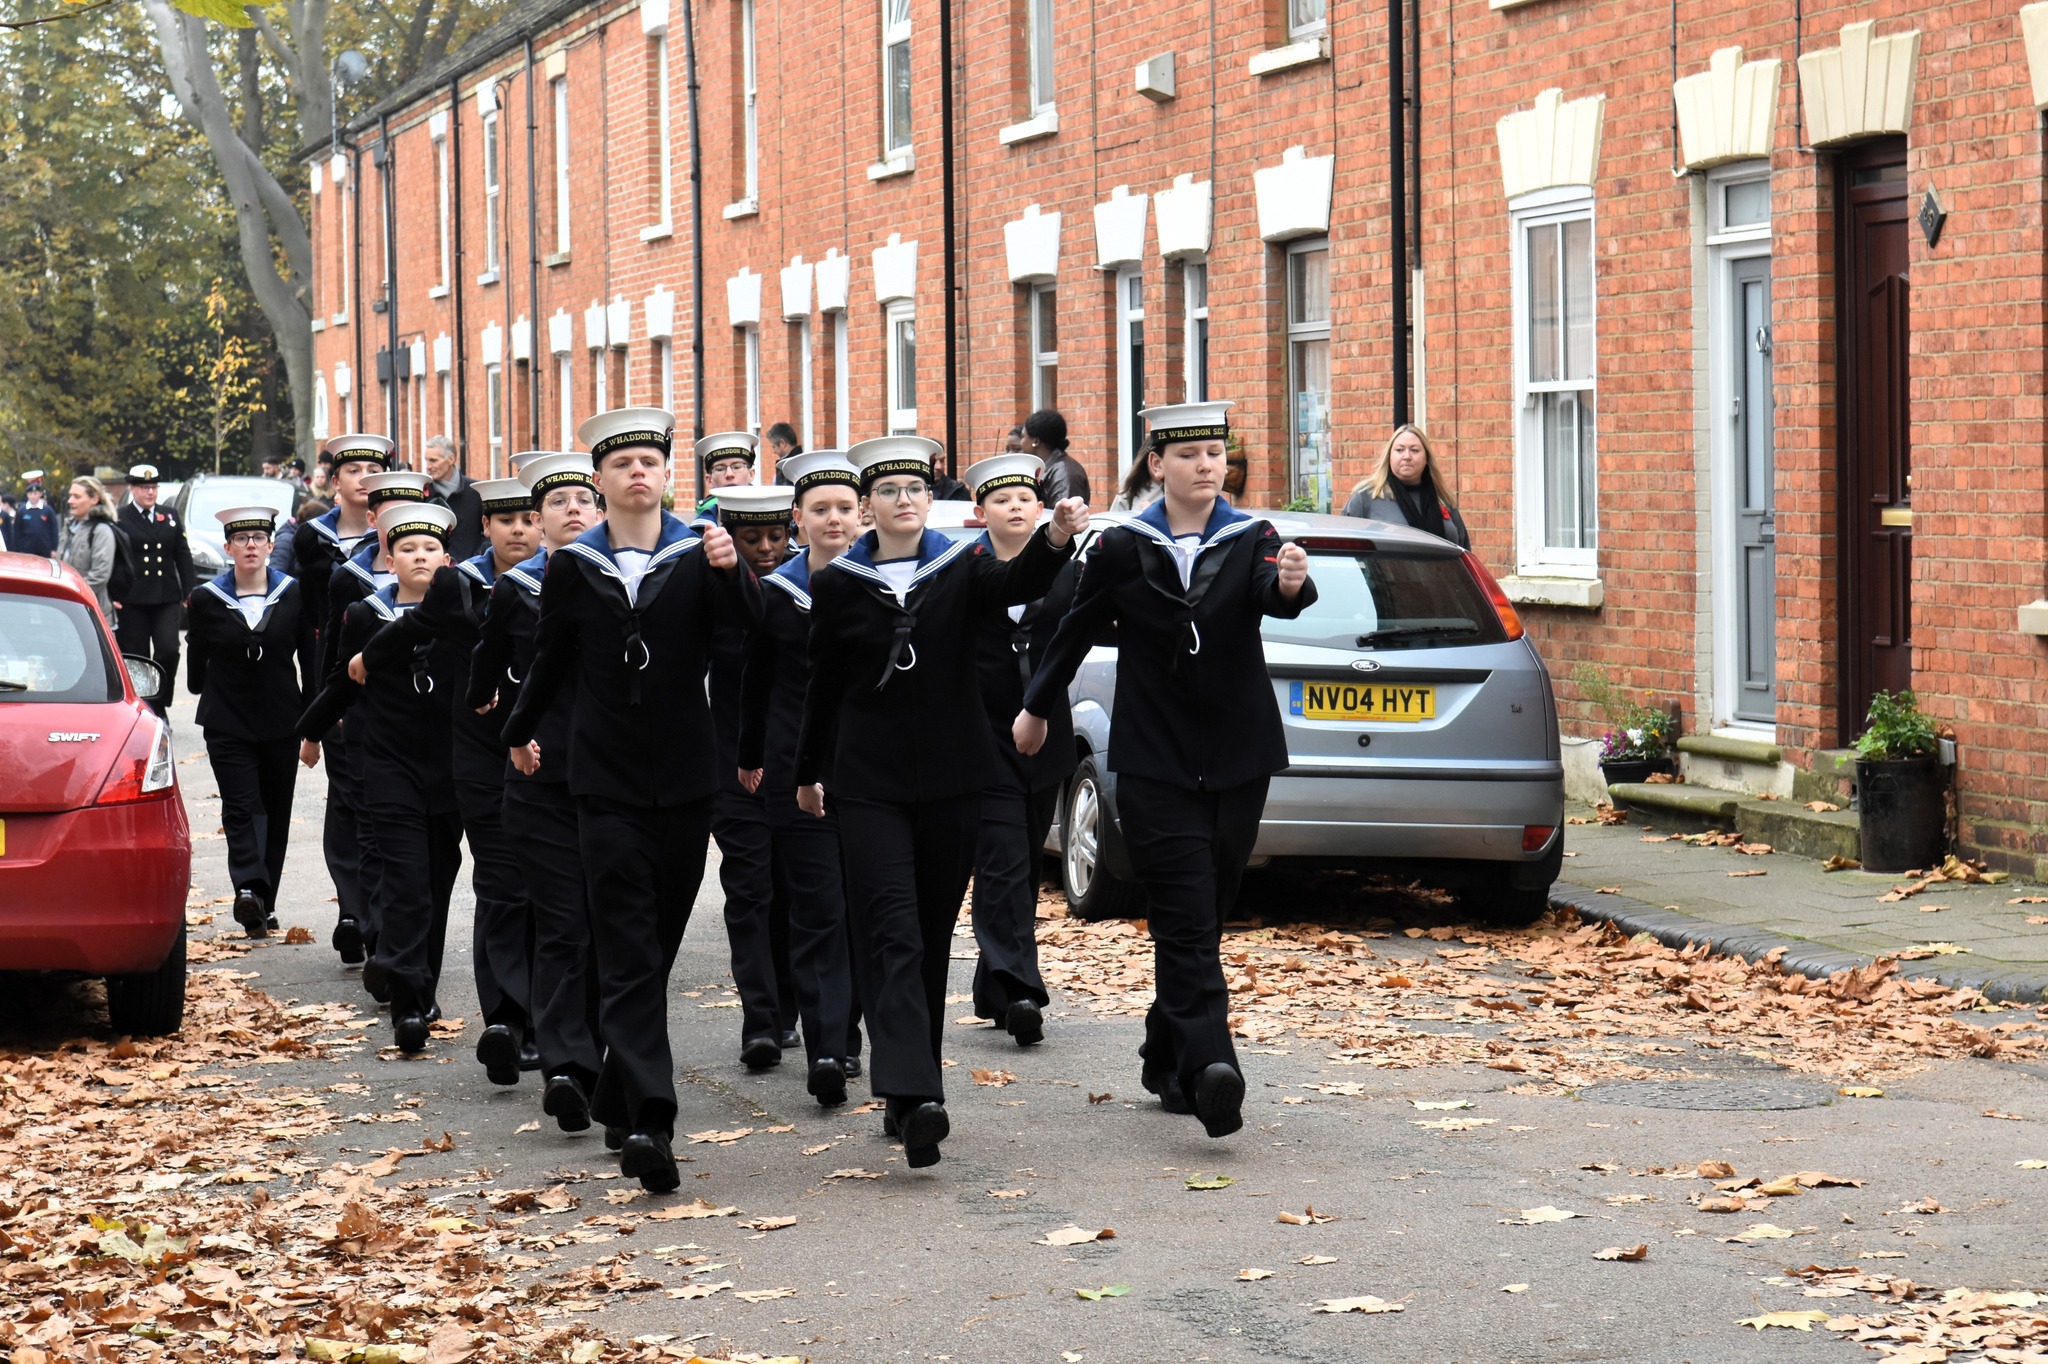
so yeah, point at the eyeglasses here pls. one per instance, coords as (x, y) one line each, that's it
(898, 492)
(248, 537)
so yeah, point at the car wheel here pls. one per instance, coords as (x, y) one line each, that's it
(1093, 893)
(1494, 899)
(150, 1003)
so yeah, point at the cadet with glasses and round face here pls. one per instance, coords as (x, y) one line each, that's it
(892, 661)
(627, 610)
(1185, 583)
(539, 813)
(407, 692)
(248, 658)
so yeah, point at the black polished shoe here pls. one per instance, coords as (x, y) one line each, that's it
(646, 1156)
(790, 1040)
(498, 1050)
(850, 1067)
(411, 1034)
(1219, 1098)
(827, 1081)
(614, 1137)
(433, 1014)
(890, 1127)
(377, 980)
(348, 940)
(529, 1053)
(565, 1102)
(270, 922)
(760, 1053)
(1167, 1086)
(924, 1127)
(1026, 1023)
(251, 915)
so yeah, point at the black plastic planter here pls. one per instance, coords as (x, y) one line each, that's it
(1620, 771)
(1903, 817)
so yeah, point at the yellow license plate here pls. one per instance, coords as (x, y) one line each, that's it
(1386, 701)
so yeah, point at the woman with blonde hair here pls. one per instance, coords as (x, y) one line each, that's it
(1403, 488)
(87, 541)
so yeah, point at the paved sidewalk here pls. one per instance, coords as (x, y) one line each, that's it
(1962, 934)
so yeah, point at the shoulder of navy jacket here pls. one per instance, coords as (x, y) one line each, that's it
(328, 523)
(223, 587)
(280, 583)
(525, 574)
(789, 585)
(945, 553)
(478, 568)
(384, 603)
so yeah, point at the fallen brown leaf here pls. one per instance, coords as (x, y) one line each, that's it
(1629, 1253)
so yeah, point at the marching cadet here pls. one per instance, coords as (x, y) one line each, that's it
(319, 547)
(892, 660)
(1185, 583)
(805, 849)
(627, 610)
(1017, 807)
(408, 694)
(37, 525)
(164, 578)
(727, 459)
(539, 814)
(248, 658)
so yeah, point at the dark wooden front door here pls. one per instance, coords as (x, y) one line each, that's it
(1876, 526)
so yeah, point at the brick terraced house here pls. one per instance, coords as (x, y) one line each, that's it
(1729, 321)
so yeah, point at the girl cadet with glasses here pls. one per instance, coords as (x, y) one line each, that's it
(892, 661)
(628, 609)
(1197, 730)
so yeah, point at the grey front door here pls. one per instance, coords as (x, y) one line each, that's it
(1756, 625)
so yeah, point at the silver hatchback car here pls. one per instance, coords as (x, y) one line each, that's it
(1421, 732)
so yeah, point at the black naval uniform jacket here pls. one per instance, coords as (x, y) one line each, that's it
(641, 732)
(251, 681)
(888, 676)
(408, 754)
(318, 549)
(1007, 651)
(453, 613)
(504, 652)
(353, 579)
(1194, 704)
(163, 560)
(776, 673)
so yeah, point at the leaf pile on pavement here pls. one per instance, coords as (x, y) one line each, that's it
(1919, 1325)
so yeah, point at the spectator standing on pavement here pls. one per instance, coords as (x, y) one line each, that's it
(6, 520)
(152, 603)
(456, 491)
(1045, 435)
(1403, 488)
(87, 541)
(1140, 489)
(783, 444)
(37, 526)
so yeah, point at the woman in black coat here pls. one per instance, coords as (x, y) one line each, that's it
(1404, 488)
(892, 664)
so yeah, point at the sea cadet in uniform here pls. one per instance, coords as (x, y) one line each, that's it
(1198, 733)
(892, 664)
(628, 610)
(249, 656)
(37, 525)
(164, 578)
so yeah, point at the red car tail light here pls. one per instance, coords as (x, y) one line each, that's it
(1510, 621)
(144, 771)
(1535, 837)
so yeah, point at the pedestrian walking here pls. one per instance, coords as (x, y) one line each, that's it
(154, 598)
(1403, 487)
(1185, 583)
(88, 541)
(37, 527)
(627, 610)
(249, 656)
(892, 661)
(1045, 435)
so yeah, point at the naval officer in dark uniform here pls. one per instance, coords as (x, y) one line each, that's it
(164, 578)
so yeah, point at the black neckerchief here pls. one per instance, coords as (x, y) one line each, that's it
(1421, 506)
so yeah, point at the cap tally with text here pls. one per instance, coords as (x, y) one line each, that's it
(1003, 471)
(891, 456)
(503, 495)
(727, 445)
(550, 470)
(624, 426)
(235, 520)
(396, 485)
(142, 475)
(765, 506)
(415, 518)
(356, 445)
(819, 468)
(1187, 421)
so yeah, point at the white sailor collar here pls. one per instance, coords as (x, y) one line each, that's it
(275, 584)
(328, 523)
(482, 568)
(384, 601)
(595, 547)
(934, 552)
(794, 577)
(1225, 522)
(527, 572)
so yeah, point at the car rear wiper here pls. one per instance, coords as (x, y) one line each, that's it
(1461, 627)
(7, 685)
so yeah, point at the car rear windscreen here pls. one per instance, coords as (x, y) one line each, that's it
(1385, 599)
(54, 650)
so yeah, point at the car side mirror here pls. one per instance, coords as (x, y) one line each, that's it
(146, 677)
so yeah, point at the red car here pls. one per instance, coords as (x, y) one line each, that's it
(95, 853)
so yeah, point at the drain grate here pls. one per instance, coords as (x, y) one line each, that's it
(1713, 1096)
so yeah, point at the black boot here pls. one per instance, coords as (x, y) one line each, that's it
(251, 915)
(923, 1126)
(565, 1102)
(827, 1081)
(646, 1156)
(348, 940)
(1026, 1023)
(498, 1049)
(1219, 1098)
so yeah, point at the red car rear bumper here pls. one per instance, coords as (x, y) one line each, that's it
(99, 890)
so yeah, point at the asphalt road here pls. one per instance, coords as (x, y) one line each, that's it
(932, 1265)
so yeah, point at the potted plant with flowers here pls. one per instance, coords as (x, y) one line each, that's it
(1639, 739)
(1902, 812)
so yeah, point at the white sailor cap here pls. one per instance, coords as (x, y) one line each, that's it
(547, 471)
(765, 506)
(235, 520)
(1003, 471)
(526, 457)
(817, 468)
(396, 485)
(623, 426)
(727, 445)
(503, 495)
(1187, 421)
(143, 474)
(415, 518)
(355, 445)
(32, 476)
(885, 456)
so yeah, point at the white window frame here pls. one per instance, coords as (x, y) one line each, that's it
(1130, 369)
(384, 198)
(601, 380)
(348, 408)
(441, 216)
(842, 387)
(902, 384)
(750, 342)
(493, 182)
(1038, 55)
(750, 81)
(664, 140)
(1045, 362)
(1300, 24)
(1194, 341)
(320, 418)
(1533, 557)
(664, 352)
(559, 88)
(804, 379)
(447, 403)
(390, 410)
(494, 400)
(893, 33)
(1726, 247)
(346, 202)
(565, 384)
(419, 401)
(1299, 461)
(625, 376)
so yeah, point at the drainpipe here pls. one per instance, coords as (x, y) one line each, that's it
(948, 229)
(388, 165)
(1397, 209)
(355, 270)
(459, 284)
(696, 247)
(533, 366)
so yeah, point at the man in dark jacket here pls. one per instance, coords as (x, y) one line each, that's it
(36, 525)
(456, 491)
(163, 579)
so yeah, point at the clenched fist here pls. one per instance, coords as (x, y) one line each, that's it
(1293, 564)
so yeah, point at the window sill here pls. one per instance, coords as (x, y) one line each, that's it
(901, 163)
(742, 208)
(486, 278)
(338, 320)
(1508, 4)
(1044, 123)
(659, 232)
(1582, 594)
(1301, 52)
(557, 258)
(2034, 618)
(438, 291)
(319, 324)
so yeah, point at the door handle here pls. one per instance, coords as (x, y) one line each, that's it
(1766, 531)
(1763, 340)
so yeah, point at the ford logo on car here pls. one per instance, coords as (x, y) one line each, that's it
(1365, 665)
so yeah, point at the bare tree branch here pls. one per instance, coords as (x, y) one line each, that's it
(16, 25)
